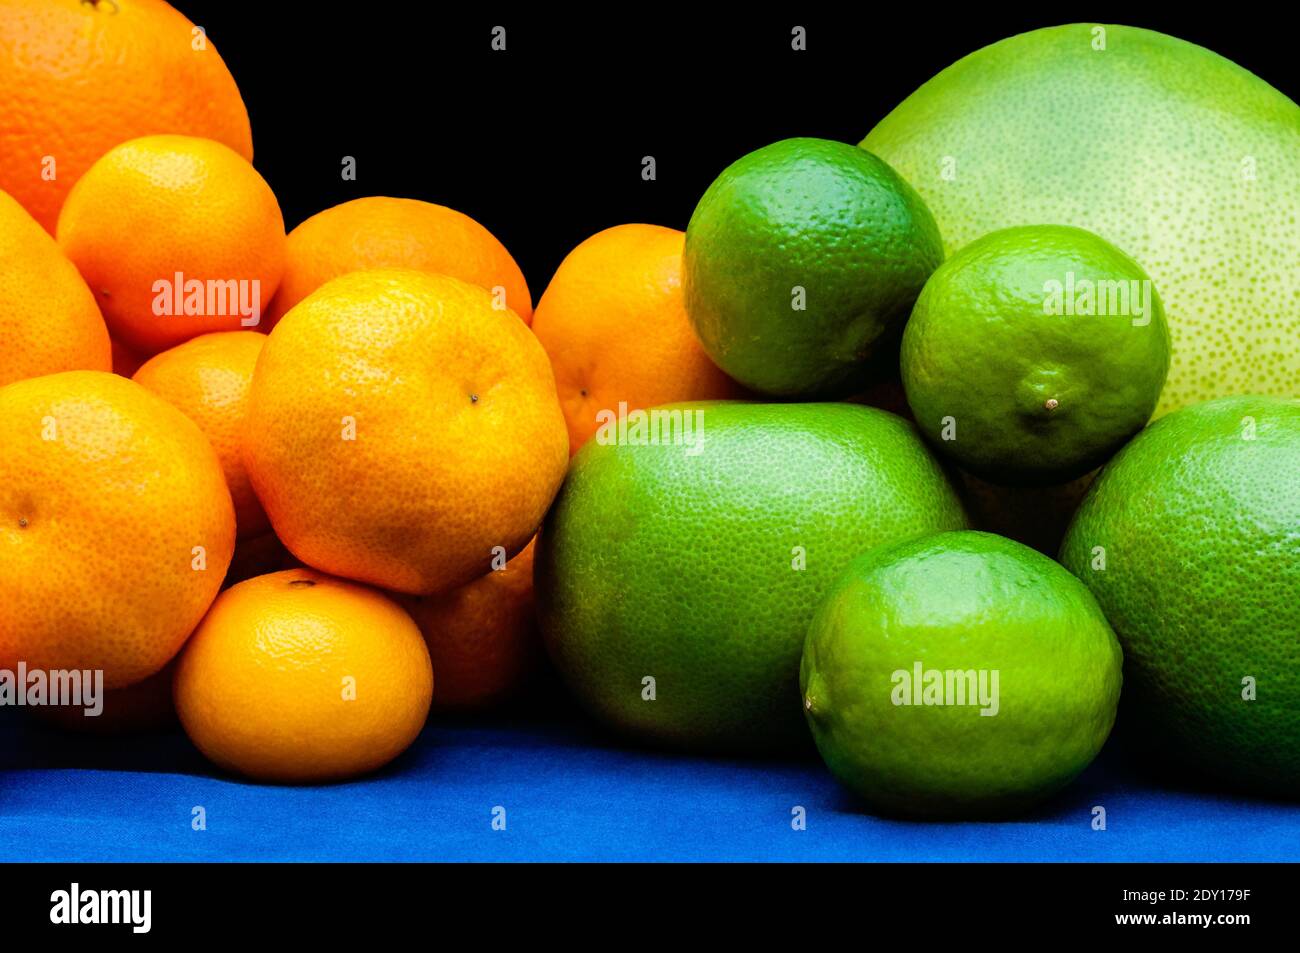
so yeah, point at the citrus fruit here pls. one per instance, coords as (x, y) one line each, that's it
(383, 232)
(208, 378)
(1176, 155)
(297, 677)
(1034, 353)
(177, 237)
(1190, 540)
(48, 318)
(482, 636)
(400, 427)
(675, 585)
(614, 323)
(78, 77)
(800, 258)
(958, 675)
(116, 526)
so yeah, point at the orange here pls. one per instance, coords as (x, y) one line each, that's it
(78, 77)
(176, 236)
(613, 320)
(48, 318)
(207, 378)
(400, 427)
(482, 636)
(382, 232)
(298, 677)
(116, 526)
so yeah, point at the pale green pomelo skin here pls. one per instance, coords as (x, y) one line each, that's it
(1190, 540)
(655, 563)
(963, 602)
(1179, 157)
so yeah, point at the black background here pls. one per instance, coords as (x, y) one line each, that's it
(543, 143)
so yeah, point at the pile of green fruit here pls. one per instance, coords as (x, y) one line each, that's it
(1054, 241)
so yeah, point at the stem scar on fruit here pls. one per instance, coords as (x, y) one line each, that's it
(301, 583)
(473, 398)
(1052, 403)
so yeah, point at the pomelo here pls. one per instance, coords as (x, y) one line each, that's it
(1181, 158)
(1190, 540)
(675, 584)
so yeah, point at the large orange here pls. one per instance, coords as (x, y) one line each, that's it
(48, 318)
(78, 77)
(116, 526)
(482, 636)
(208, 378)
(299, 677)
(400, 428)
(613, 321)
(177, 237)
(382, 232)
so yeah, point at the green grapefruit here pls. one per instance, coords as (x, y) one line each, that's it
(675, 586)
(1190, 540)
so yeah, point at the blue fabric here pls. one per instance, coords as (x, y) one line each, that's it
(569, 793)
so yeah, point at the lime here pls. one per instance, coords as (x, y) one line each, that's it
(800, 258)
(1190, 540)
(675, 586)
(1034, 353)
(958, 675)
(1173, 153)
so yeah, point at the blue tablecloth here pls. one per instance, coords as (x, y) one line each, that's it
(569, 792)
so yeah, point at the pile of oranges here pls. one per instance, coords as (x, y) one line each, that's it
(288, 483)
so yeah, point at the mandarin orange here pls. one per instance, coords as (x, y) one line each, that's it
(116, 526)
